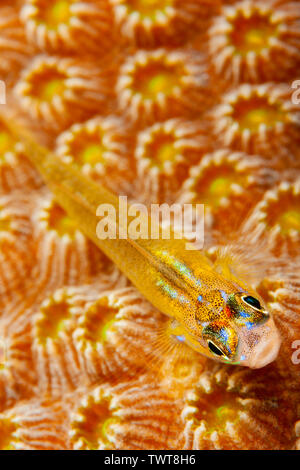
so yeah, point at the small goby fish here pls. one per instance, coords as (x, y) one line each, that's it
(211, 310)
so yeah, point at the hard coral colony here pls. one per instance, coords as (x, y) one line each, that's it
(165, 101)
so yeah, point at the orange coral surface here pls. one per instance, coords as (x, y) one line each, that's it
(188, 101)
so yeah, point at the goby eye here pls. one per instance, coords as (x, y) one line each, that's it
(252, 301)
(214, 349)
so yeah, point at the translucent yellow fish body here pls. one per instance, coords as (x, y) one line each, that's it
(211, 310)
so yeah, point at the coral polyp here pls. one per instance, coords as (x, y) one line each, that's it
(52, 319)
(282, 295)
(223, 180)
(56, 219)
(255, 40)
(62, 248)
(53, 325)
(58, 341)
(91, 426)
(99, 147)
(277, 217)
(112, 325)
(145, 23)
(218, 407)
(164, 153)
(259, 119)
(15, 170)
(59, 91)
(114, 417)
(67, 25)
(154, 85)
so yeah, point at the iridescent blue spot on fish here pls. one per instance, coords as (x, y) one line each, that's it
(225, 337)
(244, 314)
(180, 338)
(224, 334)
(223, 295)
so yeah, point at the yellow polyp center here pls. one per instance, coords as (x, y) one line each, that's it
(47, 83)
(251, 113)
(216, 184)
(51, 89)
(166, 153)
(252, 34)
(290, 220)
(53, 321)
(255, 38)
(103, 333)
(148, 8)
(92, 155)
(162, 150)
(155, 78)
(87, 148)
(95, 428)
(56, 14)
(225, 413)
(220, 187)
(7, 429)
(6, 142)
(256, 117)
(216, 409)
(158, 84)
(59, 221)
(101, 319)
